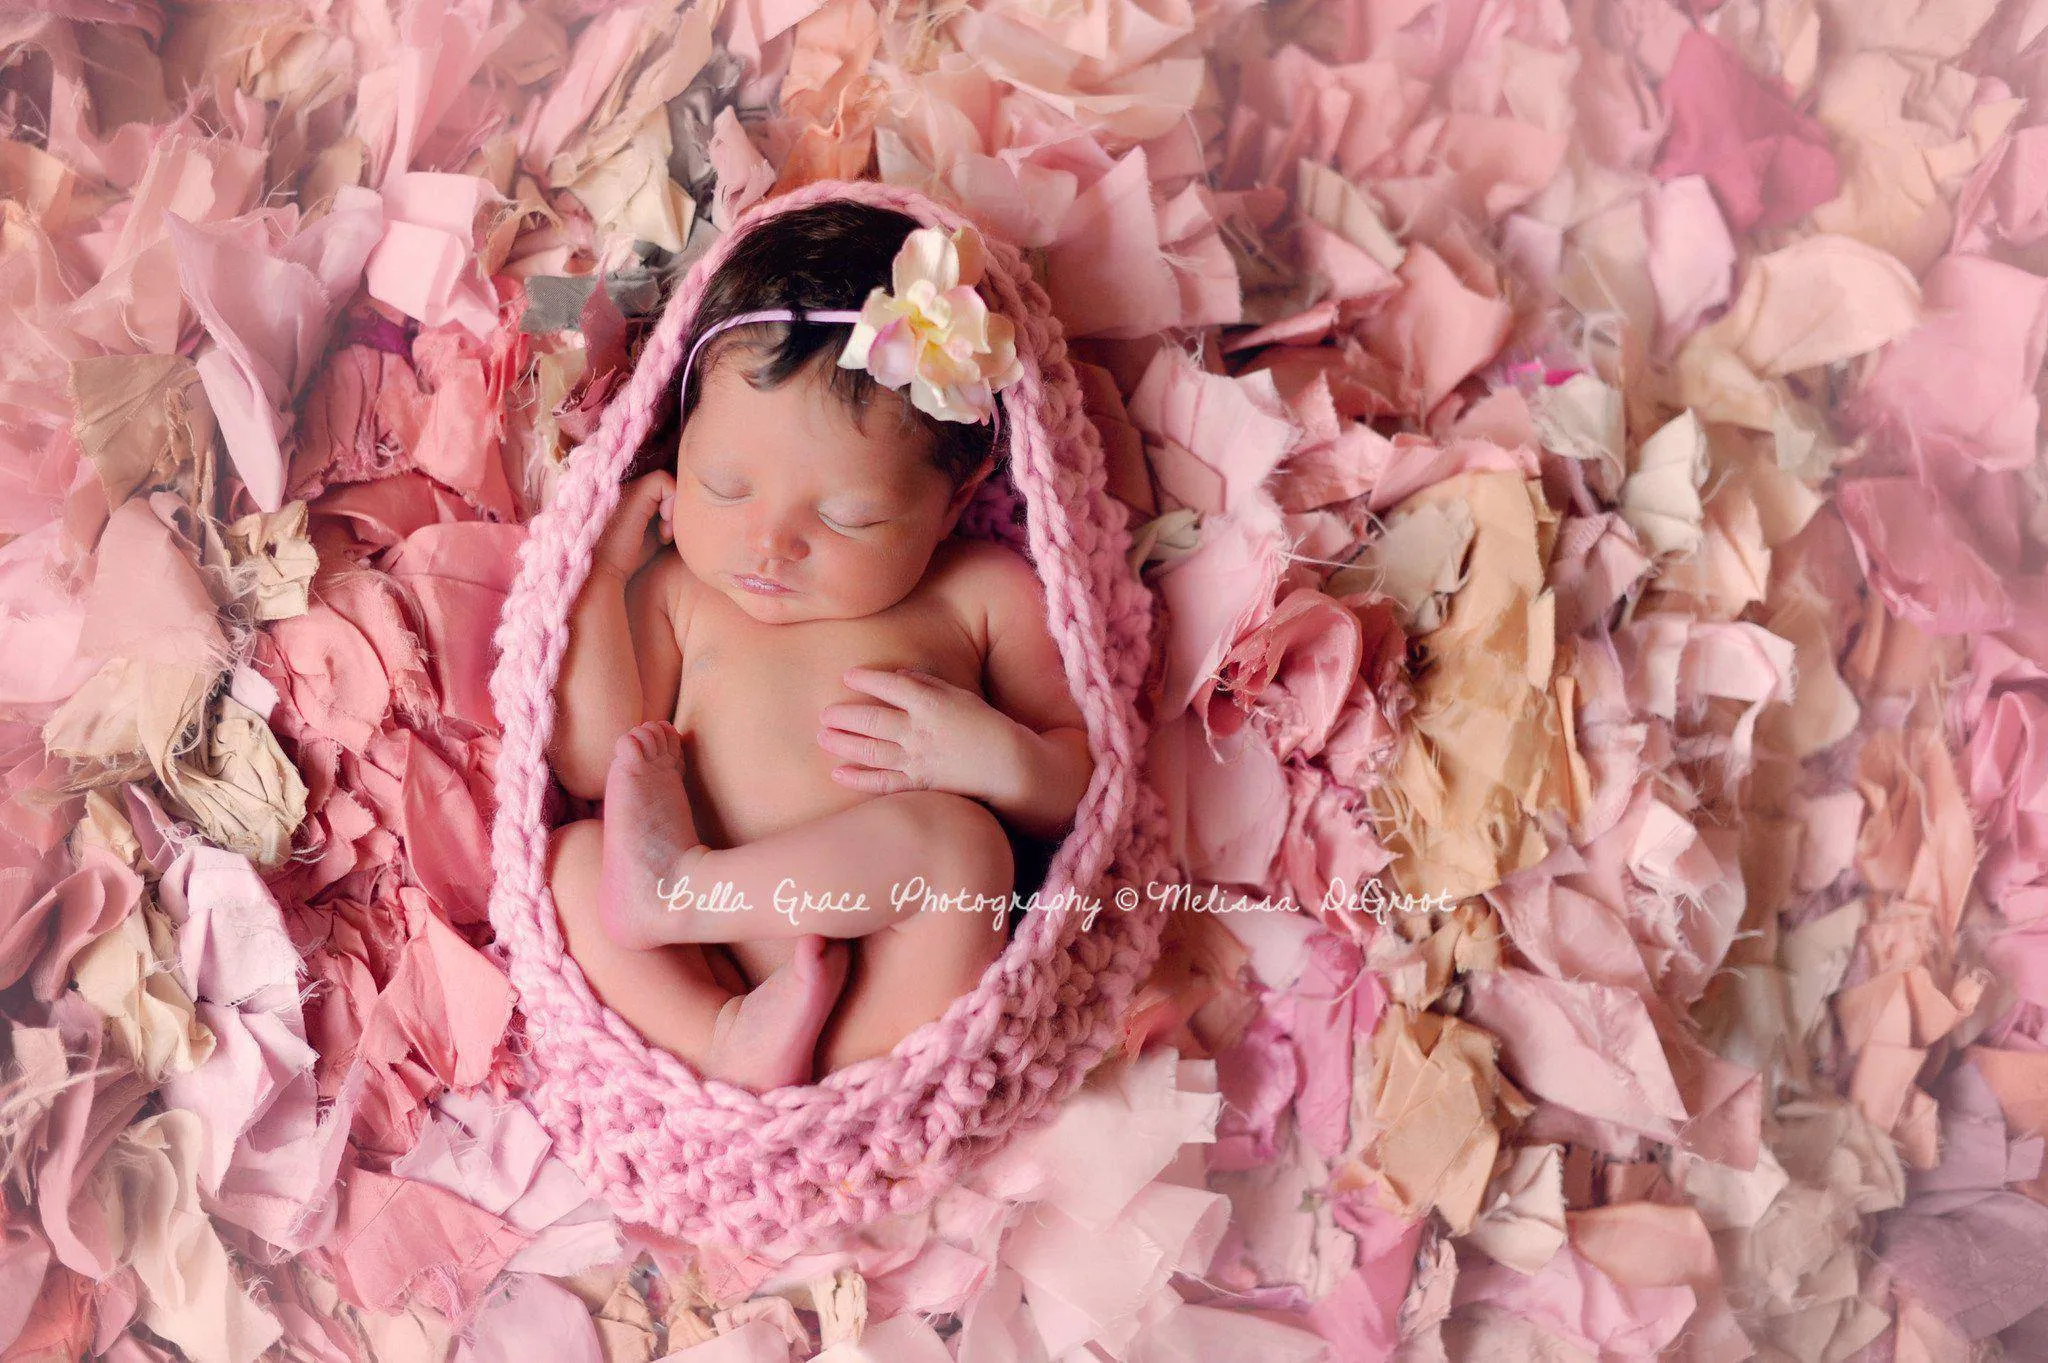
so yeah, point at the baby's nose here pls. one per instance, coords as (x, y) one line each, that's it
(776, 537)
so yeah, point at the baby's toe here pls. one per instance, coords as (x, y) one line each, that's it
(649, 742)
(630, 749)
(627, 749)
(658, 738)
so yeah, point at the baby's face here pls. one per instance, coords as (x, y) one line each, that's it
(783, 504)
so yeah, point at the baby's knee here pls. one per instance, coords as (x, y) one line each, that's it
(967, 846)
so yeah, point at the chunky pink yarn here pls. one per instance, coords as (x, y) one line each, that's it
(774, 1173)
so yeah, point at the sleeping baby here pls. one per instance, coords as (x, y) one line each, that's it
(815, 717)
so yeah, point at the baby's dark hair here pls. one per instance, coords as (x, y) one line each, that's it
(826, 256)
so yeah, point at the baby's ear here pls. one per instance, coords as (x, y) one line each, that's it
(977, 478)
(964, 494)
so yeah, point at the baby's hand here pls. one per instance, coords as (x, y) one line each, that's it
(626, 544)
(927, 735)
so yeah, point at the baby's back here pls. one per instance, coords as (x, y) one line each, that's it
(751, 694)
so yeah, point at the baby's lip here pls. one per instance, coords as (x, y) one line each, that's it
(756, 582)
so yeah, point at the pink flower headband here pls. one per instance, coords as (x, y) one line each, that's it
(933, 332)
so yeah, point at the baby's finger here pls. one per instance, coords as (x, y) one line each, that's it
(664, 506)
(934, 688)
(894, 687)
(873, 781)
(877, 721)
(873, 752)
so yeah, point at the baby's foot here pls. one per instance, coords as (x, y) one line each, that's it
(768, 1038)
(650, 840)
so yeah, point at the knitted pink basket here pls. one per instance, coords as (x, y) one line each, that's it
(775, 1173)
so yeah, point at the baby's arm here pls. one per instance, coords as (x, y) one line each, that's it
(1017, 742)
(1024, 678)
(622, 664)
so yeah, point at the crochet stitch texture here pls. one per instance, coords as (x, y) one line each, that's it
(775, 1173)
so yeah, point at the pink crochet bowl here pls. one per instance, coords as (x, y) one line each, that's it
(776, 1173)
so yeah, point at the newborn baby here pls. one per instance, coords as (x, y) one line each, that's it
(815, 720)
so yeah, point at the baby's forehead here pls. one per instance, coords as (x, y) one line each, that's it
(802, 419)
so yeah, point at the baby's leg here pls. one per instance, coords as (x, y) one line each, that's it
(853, 864)
(768, 1036)
(758, 1040)
(909, 973)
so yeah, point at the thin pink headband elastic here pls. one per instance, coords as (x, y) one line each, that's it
(786, 315)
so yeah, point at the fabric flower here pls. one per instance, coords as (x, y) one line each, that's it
(934, 332)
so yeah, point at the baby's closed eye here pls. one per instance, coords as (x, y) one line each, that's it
(726, 491)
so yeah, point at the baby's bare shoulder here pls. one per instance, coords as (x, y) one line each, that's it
(676, 573)
(671, 589)
(986, 581)
(1025, 675)
(982, 563)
